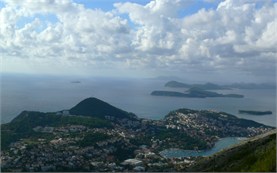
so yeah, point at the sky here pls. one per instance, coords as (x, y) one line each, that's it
(232, 40)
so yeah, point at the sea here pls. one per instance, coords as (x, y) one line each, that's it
(53, 93)
(223, 143)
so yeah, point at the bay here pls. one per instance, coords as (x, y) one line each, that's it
(223, 143)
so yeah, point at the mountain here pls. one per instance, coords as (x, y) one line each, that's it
(255, 155)
(98, 108)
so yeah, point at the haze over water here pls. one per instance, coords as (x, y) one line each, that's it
(48, 93)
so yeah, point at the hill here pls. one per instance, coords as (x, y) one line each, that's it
(98, 108)
(255, 155)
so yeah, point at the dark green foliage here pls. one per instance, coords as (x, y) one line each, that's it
(124, 152)
(97, 108)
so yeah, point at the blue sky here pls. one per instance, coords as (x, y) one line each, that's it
(107, 5)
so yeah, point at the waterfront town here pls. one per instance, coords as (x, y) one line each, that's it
(125, 145)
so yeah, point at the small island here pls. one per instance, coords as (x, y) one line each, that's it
(255, 112)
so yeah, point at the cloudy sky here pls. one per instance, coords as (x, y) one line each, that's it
(231, 39)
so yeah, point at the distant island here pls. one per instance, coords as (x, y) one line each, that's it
(76, 81)
(212, 86)
(206, 86)
(194, 93)
(255, 112)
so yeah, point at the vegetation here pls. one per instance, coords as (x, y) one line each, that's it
(258, 155)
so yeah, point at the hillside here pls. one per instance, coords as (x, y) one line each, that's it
(255, 155)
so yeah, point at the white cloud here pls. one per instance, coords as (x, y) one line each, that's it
(238, 35)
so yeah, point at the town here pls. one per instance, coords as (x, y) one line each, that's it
(61, 141)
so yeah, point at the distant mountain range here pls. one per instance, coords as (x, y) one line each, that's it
(212, 86)
(206, 86)
(96, 136)
(203, 90)
(194, 92)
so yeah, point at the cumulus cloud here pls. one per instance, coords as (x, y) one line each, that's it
(237, 35)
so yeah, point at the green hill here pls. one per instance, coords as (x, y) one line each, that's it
(98, 108)
(255, 155)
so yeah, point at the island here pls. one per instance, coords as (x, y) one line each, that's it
(76, 82)
(206, 86)
(255, 112)
(95, 136)
(194, 92)
(212, 86)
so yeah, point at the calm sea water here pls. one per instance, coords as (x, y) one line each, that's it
(219, 145)
(24, 92)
